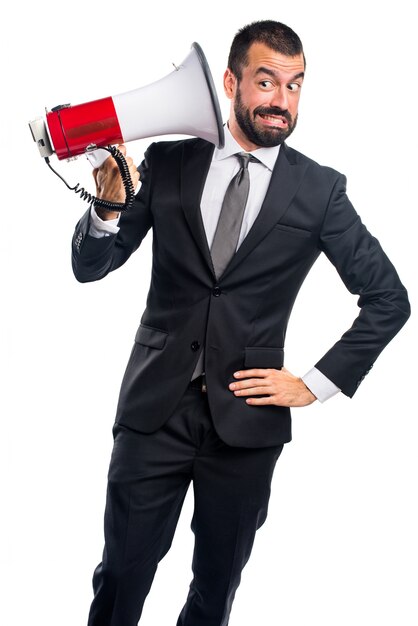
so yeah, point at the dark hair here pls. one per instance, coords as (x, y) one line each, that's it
(275, 35)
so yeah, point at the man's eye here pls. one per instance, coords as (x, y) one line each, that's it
(266, 84)
(293, 86)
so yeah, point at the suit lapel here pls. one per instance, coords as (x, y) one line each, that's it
(197, 157)
(286, 178)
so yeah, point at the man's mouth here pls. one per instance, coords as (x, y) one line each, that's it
(274, 120)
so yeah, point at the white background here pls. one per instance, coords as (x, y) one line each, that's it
(340, 545)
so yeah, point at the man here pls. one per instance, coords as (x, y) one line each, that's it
(205, 397)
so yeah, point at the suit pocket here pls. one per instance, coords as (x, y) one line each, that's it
(293, 230)
(151, 337)
(263, 357)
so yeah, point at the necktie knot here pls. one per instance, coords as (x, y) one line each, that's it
(244, 158)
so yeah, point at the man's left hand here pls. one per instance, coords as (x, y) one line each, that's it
(278, 387)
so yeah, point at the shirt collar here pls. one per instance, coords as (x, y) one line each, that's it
(267, 156)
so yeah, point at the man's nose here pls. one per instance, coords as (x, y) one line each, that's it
(280, 98)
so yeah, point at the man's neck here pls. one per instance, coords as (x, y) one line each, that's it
(240, 138)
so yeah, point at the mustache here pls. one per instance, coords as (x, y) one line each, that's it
(273, 111)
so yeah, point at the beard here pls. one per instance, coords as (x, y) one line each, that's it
(262, 137)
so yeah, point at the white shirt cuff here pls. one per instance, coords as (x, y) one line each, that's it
(102, 228)
(321, 386)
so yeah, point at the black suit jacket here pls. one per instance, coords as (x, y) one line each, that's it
(241, 319)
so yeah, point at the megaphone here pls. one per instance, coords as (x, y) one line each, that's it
(183, 102)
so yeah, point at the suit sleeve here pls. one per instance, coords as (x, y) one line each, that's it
(366, 271)
(93, 258)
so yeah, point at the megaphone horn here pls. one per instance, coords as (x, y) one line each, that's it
(183, 102)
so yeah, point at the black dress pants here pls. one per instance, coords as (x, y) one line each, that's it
(149, 476)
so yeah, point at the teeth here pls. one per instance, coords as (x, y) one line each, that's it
(272, 118)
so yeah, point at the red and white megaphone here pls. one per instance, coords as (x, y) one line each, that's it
(183, 102)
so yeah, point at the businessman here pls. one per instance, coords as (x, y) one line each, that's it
(205, 398)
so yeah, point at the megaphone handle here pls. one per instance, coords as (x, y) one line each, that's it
(96, 158)
(99, 202)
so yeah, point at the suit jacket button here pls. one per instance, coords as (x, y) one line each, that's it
(195, 346)
(216, 291)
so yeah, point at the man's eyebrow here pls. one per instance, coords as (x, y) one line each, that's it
(270, 72)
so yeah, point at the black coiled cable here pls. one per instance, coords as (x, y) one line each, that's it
(126, 180)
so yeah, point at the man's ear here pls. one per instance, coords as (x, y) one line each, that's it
(230, 83)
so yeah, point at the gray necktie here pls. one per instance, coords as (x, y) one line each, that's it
(227, 232)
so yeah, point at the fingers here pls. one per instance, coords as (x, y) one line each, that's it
(261, 401)
(108, 181)
(271, 386)
(257, 382)
(254, 387)
(252, 378)
(257, 373)
(253, 391)
(249, 384)
(133, 171)
(110, 164)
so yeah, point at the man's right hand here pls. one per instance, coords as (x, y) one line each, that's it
(109, 184)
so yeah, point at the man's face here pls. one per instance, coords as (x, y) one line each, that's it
(264, 103)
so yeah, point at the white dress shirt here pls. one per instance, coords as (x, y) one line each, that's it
(223, 167)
